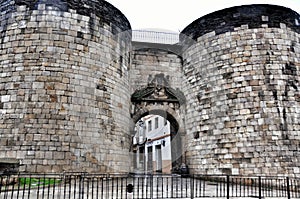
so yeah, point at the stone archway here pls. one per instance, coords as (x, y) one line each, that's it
(158, 98)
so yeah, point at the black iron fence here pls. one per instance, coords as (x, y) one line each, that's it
(123, 186)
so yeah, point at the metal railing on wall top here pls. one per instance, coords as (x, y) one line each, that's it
(155, 37)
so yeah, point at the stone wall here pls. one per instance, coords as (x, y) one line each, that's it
(149, 60)
(64, 86)
(159, 64)
(242, 90)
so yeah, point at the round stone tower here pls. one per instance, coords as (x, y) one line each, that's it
(242, 85)
(64, 103)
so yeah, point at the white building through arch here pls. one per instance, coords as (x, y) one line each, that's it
(152, 145)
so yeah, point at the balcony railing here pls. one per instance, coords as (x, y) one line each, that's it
(155, 37)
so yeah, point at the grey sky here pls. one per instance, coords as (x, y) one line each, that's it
(175, 15)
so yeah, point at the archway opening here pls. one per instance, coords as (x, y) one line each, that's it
(157, 145)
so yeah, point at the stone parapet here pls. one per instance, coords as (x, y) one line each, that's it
(253, 16)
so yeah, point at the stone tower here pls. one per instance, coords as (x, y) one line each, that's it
(242, 88)
(64, 85)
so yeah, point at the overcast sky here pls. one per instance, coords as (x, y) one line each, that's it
(175, 15)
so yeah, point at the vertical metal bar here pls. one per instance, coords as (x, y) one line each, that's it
(12, 188)
(246, 186)
(88, 181)
(172, 185)
(53, 187)
(271, 188)
(162, 186)
(126, 183)
(157, 185)
(217, 187)
(107, 186)
(24, 186)
(1, 180)
(259, 187)
(297, 192)
(204, 188)
(181, 188)
(122, 181)
(280, 188)
(236, 186)
(146, 186)
(253, 186)
(192, 186)
(195, 192)
(18, 186)
(186, 186)
(80, 184)
(143, 185)
(6, 187)
(242, 187)
(70, 181)
(199, 186)
(151, 186)
(228, 187)
(64, 181)
(118, 188)
(292, 187)
(111, 184)
(296, 187)
(177, 184)
(138, 186)
(134, 185)
(75, 187)
(288, 187)
(108, 190)
(167, 186)
(29, 187)
(97, 187)
(102, 187)
(223, 187)
(92, 181)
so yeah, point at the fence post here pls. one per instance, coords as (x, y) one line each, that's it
(288, 187)
(259, 187)
(151, 186)
(81, 186)
(192, 187)
(227, 188)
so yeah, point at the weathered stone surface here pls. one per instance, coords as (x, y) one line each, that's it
(252, 103)
(243, 17)
(54, 116)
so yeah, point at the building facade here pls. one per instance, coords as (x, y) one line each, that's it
(152, 145)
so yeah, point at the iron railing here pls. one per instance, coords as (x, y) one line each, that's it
(125, 186)
(155, 37)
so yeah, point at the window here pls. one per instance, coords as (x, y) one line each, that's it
(156, 122)
(149, 125)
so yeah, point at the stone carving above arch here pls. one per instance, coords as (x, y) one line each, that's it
(158, 91)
